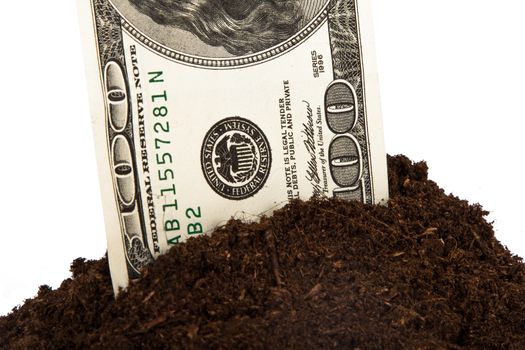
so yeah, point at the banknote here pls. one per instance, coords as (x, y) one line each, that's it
(211, 109)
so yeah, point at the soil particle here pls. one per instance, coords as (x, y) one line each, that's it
(424, 272)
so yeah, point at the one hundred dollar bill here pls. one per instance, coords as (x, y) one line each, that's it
(211, 109)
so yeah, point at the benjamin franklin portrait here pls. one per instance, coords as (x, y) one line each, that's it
(233, 27)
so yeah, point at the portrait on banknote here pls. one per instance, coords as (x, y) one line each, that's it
(221, 28)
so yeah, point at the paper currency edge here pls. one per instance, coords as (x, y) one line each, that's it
(373, 102)
(97, 110)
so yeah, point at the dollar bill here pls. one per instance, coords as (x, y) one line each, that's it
(212, 109)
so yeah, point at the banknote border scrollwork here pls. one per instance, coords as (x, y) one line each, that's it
(110, 51)
(345, 38)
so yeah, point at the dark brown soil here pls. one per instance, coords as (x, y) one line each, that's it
(423, 273)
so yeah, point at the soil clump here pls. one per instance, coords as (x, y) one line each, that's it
(424, 272)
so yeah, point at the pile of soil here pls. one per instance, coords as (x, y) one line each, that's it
(424, 272)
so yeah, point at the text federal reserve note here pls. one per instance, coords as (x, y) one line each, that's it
(204, 110)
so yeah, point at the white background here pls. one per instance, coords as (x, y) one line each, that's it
(451, 75)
